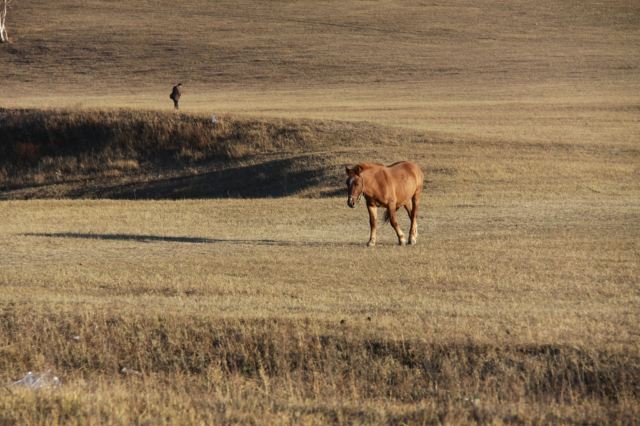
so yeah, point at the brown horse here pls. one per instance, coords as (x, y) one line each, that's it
(394, 186)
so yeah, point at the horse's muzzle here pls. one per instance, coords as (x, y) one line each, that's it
(351, 202)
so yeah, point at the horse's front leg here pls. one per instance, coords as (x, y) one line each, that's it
(393, 218)
(373, 216)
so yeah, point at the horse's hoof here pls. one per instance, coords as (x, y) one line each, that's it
(402, 242)
(412, 242)
(371, 244)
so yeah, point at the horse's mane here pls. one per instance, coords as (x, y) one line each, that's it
(370, 165)
(365, 166)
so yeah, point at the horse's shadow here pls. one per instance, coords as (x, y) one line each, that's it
(191, 240)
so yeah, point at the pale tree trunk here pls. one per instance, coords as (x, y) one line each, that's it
(3, 21)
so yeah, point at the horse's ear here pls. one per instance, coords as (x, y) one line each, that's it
(355, 170)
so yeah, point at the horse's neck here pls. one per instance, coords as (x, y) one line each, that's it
(370, 183)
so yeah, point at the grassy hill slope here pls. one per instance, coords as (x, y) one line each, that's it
(156, 155)
(143, 154)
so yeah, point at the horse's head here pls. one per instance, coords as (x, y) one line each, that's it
(355, 185)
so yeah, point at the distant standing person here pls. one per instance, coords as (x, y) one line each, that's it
(175, 94)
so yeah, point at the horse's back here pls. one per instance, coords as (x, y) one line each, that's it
(403, 168)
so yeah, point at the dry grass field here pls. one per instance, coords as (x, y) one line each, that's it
(257, 311)
(171, 272)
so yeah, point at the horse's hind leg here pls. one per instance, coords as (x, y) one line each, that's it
(413, 231)
(393, 218)
(409, 207)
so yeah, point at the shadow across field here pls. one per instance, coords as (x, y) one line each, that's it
(191, 240)
(303, 174)
(275, 178)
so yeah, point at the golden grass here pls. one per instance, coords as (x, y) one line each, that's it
(257, 311)
(519, 304)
